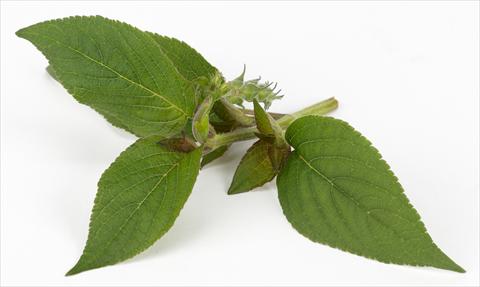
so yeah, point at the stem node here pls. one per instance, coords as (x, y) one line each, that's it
(247, 133)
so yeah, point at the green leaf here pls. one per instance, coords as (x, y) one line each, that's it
(110, 118)
(51, 72)
(268, 127)
(188, 62)
(118, 70)
(265, 123)
(258, 166)
(336, 189)
(139, 197)
(278, 156)
(213, 155)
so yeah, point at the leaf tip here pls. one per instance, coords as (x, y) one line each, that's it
(71, 272)
(235, 189)
(459, 269)
(446, 263)
(21, 33)
(79, 267)
(232, 190)
(452, 266)
(74, 270)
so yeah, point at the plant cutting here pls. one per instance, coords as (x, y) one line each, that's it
(333, 185)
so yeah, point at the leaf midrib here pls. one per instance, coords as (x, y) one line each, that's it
(113, 71)
(137, 208)
(336, 187)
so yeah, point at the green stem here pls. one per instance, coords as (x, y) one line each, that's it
(243, 134)
(318, 109)
(237, 114)
(274, 115)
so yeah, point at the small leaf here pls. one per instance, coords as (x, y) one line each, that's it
(213, 155)
(139, 197)
(258, 166)
(267, 126)
(336, 189)
(278, 156)
(264, 121)
(201, 123)
(118, 70)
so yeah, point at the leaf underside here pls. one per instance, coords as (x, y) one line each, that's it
(139, 197)
(336, 189)
(118, 70)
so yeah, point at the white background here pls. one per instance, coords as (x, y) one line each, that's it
(406, 75)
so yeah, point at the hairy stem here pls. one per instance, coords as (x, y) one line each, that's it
(237, 114)
(243, 134)
(274, 115)
(318, 109)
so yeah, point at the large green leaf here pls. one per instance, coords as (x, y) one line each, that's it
(118, 70)
(336, 189)
(139, 197)
(188, 62)
(109, 117)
